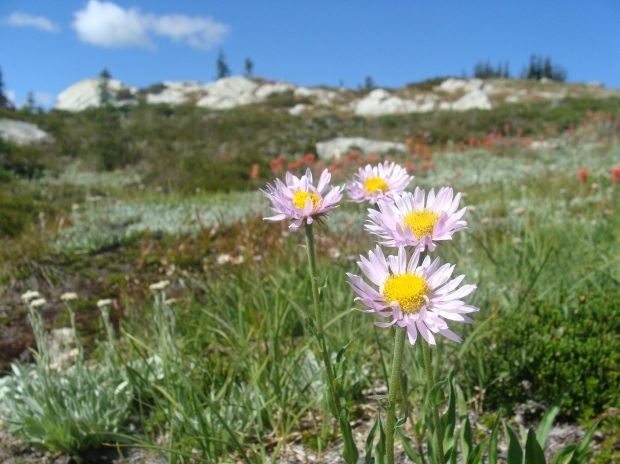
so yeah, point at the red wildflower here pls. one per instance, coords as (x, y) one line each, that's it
(254, 171)
(615, 175)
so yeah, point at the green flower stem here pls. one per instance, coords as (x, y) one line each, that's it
(399, 344)
(76, 338)
(430, 377)
(318, 319)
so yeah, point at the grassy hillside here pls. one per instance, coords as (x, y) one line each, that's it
(125, 198)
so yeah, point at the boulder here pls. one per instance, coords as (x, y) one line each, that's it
(335, 148)
(229, 92)
(317, 95)
(452, 85)
(380, 102)
(22, 133)
(474, 100)
(273, 88)
(176, 92)
(86, 94)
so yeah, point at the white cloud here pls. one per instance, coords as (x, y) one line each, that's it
(19, 19)
(197, 32)
(10, 95)
(107, 24)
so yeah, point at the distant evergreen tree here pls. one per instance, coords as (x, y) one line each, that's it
(31, 104)
(4, 100)
(222, 67)
(248, 67)
(369, 83)
(484, 70)
(540, 67)
(105, 98)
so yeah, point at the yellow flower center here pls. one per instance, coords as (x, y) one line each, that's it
(421, 223)
(372, 184)
(408, 290)
(300, 198)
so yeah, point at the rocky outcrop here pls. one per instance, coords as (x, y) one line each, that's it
(474, 100)
(380, 102)
(231, 92)
(22, 133)
(335, 148)
(87, 94)
(174, 92)
(452, 85)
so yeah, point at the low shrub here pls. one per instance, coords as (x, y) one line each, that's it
(559, 353)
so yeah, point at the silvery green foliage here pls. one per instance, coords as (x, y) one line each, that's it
(107, 223)
(67, 411)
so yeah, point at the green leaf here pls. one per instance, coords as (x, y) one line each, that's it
(515, 453)
(370, 442)
(409, 449)
(448, 420)
(583, 449)
(565, 456)
(341, 352)
(349, 453)
(380, 448)
(476, 454)
(493, 442)
(533, 451)
(466, 439)
(546, 423)
(435, 397)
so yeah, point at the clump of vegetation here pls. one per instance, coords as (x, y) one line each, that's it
(484, 70)
(542, 68)
(67, 411)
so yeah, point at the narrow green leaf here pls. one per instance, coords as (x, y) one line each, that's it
(466, 439)
(449, 418)
(475, 456)
(493, 442)
(370, 440)
(546, 423)
(565, 456)
(349, 453)
(533, 451)
(409, 449)
(585, 441)
(515, 453)
(380, 448)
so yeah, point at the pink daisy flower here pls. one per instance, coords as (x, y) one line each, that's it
(301, 201)
(373, 183)
(412, 220)
(417, 297)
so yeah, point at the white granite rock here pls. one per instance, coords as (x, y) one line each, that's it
(380, 102)
(319, 96)
(266, 90)
(22, 133)
(168, 96)
(228, 92)
(176, 92)
(85, 94)
(476, 99)
(335, 148)
(452, 85)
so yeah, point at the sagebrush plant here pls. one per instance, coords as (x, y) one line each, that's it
(69, 410)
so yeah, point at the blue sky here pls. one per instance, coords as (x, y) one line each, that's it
(45, 46)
